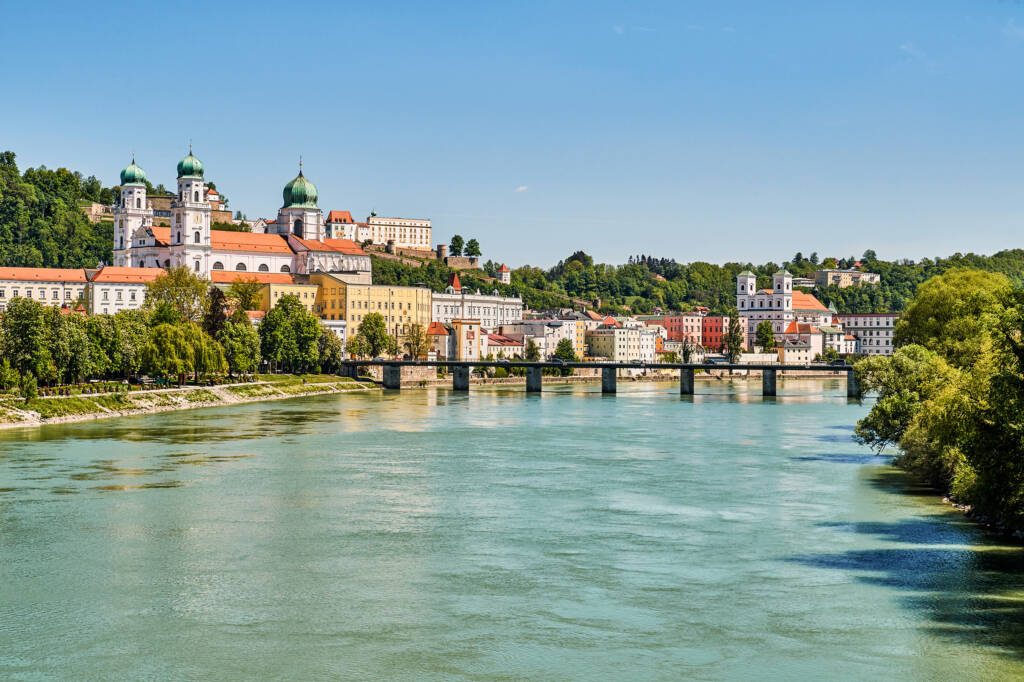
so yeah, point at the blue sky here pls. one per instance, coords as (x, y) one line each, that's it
(694, 130)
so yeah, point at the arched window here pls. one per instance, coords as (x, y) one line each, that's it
(196, 236)
(196, 265)
(285, 268)
(121, 242)
(142, 263)
(167, 263)
(138, 202)
(240, 267)
(218, 266)
(264, 268)
(195, 196)
(297, 228)
(177, 237)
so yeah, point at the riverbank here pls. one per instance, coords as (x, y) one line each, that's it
(15, 413)
(595, 378)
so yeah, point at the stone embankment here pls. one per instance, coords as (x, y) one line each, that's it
(15, 413)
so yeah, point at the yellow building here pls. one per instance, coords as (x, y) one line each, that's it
(401, 307)
(275, 285)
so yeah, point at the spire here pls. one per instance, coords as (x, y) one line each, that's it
(300, 165)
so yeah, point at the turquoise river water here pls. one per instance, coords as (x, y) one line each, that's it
(428, 535)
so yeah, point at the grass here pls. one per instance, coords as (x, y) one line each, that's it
(252, 390)
(199, 396)
(49, 408)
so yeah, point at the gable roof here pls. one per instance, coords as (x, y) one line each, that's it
(252, 242)
(802, 301)
(437, 329)
(229, 276)
(340, 217)
(121, 275)
(161, 235)
(334, 245)
(43, 274)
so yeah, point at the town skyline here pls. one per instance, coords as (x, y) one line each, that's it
(890, 129)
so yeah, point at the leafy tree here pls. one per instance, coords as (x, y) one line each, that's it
(416, 340)
(27, 339)
(245, 294)
(688, 350)
(166, 353)
(181, 291)
(734, 338)
(531, 353)
(230, 227)
(216, 312)
(289, 336)
(564, 351)
(765, 336)
(473, 248)
(357, 346)
(330, 351)
(456, 245)
(374, 332)
(29, 388)
(207, 354)
(123, 339)
(671, 358)
(241, 344)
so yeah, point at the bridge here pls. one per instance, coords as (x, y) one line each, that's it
(460, 371)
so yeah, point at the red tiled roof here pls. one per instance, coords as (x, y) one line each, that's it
(340, 217)
(337, 245)
(594, 316)
(162, 235)
(256, 314)
(503, 268)
(802, 301)
(611, 322)
(127, 275)
(43, 274)
(226, 240)
(437, 329)
(499, 340)
(454, 282)
(228, 276)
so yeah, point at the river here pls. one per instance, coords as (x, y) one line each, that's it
(495, 535)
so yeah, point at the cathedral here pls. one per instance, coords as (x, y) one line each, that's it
(296, 243)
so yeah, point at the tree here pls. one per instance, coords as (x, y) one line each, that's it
(473, 248)
(27, 339)
(29, 387)
(416, 340)
(289, 336)
(241, 344)
(181, 291)
(764, 337)
(207, 354)
(357, 346)
(531, 353)
(688, 350)
(671, 358)
(123, 340)
(245, 293)
(564, 352)
(216, 312)
(814, 258)
(734, 338)
(374, 332)
(166, 354)
(330, 351)
(455, 247)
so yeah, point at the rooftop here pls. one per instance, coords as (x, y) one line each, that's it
(43, 274)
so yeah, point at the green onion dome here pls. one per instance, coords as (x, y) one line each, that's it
(190, 167)
(133, 175)
(300, 192)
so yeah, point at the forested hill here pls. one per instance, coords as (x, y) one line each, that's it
(41, 222)
(647, 282)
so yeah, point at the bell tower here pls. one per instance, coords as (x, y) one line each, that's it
(131, 212)
(190, 219)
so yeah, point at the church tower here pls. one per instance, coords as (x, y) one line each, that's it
(131, 212)
(190, 221)
(300, 214)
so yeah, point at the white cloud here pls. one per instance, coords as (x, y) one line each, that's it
(914, 51)
(521, 188)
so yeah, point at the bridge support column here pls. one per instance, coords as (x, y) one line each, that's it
(460, 378)
(852, 385)
(393, 376)
(686, 381)
(768, 382)
(608, 378)
(533, 379)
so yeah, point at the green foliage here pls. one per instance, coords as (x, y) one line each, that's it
(473, 248)
(29, 388)
(456, 245)
(41, 222)
(415, 341)
(231, 227)
(216, 315)
(374, 338)
(289, 336)
(764, 336)
(531, 353)
(564, 351)
(331, 351)
(734, 338)
(178, 292)
(245, 293)
(241, 344)
(27, 339)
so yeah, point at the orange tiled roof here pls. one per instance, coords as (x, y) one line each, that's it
(340, 217)
(503, 268)
(228, 276)
(43, 274)
(437, 329)
(338, 245)
(162, 235)
(499, 340)
(454, 282)
(127, 275)
(225, 240)
(255, 314)
(594, 316)
(802, 301)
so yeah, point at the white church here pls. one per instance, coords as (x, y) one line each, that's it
(295, 243)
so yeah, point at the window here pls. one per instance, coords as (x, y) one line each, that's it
(240, 267)
(106, 295)
(138, 202)
(285, 268)
(195, 237)
(218, 266)
(120, 295)
(55, 295)
(195, 196)
(264, 267)
(195, 266)
(297, 228)
(131, 295)
(67, 295)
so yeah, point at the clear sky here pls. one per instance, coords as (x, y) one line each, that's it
(694, 130)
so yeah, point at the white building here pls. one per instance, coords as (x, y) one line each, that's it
(407, 233)
(51, 286)
(504, 274)
(493, 310)
(297, 242)
(780, 305)
(545, 333)
(113, 289)
(873, 331)
(623, 344)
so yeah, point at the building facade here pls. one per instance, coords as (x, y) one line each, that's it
(845, 278)
(713, 330)
(873, 331)
(493, 310)
(400, 306)
(51, 286)
(113, 289)
(779, 305)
